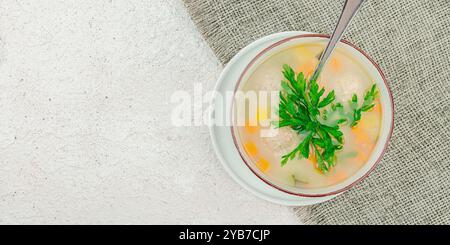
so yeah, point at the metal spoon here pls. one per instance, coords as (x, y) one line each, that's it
(350, 9)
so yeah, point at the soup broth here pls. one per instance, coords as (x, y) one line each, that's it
(346, 77)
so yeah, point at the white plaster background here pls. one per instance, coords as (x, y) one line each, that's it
(85, 134)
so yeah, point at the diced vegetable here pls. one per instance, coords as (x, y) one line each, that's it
(335, 65)
(339, 176)
(308, 67)
(263, 164)
(251, 129)
(250, 148)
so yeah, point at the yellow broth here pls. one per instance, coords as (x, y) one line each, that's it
(346, 77)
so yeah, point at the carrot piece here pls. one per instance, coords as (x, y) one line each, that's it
(251, 129)
(363, 141)
(317, 170)
(377, 108)
(335, 65)
(263, 164)
(308, 67)
(313, 159)
(339, 176)
(312, 156)
(361, 135)
(361, 158)
(250, 148)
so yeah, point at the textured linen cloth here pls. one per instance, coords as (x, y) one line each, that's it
(410, 40)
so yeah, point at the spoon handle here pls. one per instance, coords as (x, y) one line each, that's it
(350, 9)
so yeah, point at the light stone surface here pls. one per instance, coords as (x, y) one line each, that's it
(85, 133)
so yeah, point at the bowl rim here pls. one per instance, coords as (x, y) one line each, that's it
(388, 139)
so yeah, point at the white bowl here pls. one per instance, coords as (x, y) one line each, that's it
(236, 162)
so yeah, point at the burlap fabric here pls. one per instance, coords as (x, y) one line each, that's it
(410, 40)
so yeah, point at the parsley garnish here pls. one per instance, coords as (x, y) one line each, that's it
(304, 109)
(367, 105)
(299, 109)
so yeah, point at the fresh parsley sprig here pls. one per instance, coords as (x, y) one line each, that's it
(367, 104)
(299, 109)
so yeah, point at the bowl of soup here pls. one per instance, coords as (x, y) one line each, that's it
(348, 79)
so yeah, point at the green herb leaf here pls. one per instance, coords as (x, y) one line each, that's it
(369, 97)
(327, 100)
(299, 106)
